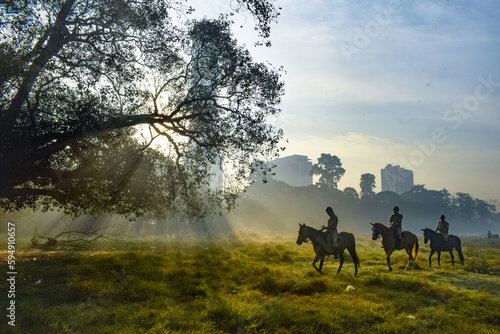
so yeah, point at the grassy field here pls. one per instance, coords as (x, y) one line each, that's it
(248, 286)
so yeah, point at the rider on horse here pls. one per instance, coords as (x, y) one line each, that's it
(331, 228)
(443, 227)
(395, 221)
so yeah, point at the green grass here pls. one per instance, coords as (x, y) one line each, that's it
(251, 287)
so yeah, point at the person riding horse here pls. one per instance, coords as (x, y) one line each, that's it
(318, 238)
(443, 227)
(331, 228)
(396, 221)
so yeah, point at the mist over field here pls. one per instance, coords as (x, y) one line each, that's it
(264, 212)
(242, 272)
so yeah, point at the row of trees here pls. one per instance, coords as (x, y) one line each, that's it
(280, 207)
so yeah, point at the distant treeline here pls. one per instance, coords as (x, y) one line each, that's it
(277, 208)
(280, 207)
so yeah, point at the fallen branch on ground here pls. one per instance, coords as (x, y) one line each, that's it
(79, 238)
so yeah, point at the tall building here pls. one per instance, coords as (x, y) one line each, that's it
(294, 170)
(396, 179)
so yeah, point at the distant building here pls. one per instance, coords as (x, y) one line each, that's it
(396, 179)
(294, 170)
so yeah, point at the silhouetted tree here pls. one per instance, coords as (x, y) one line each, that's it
(446, 199)
(330, 170)
(351, 191)
(434, 202)
(484, 210)
(387, 199)
(367, 184)
(463, 206)
(74, 74)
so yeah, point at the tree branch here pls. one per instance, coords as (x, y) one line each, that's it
(55, 41)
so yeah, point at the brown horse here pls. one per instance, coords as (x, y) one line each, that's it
(345, 240)
(408, 242)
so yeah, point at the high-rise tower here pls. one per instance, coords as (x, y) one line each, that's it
(396, 179)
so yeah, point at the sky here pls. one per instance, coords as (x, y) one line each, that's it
(401, 82)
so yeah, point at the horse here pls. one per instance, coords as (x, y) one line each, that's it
(438, 245)
(409, 241)
(345, 240)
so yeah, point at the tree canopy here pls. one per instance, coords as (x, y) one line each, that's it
(351, 191)
(330, 171)
(87, 86)
(367, 184)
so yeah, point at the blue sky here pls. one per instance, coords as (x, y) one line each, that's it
(402, 82)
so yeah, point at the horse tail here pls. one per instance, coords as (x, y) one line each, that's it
(351, 248)
(353, 253)
(416, 250)
(355, 258)
(459, 251)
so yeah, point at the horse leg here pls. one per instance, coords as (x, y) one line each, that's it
(460, 255)
(439, 258)
(316, 259)
(452, 257)
(388, 258)
(341, 260)
(432, 253)
(355, 259)
(410, 258)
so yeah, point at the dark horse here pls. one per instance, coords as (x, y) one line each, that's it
(408, 242)
(439, 245)
(320, 246)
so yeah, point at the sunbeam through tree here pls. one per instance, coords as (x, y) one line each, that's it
(81, 77)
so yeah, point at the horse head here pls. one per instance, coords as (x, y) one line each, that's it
(427, 234)
(302, 234)
(375, 230)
